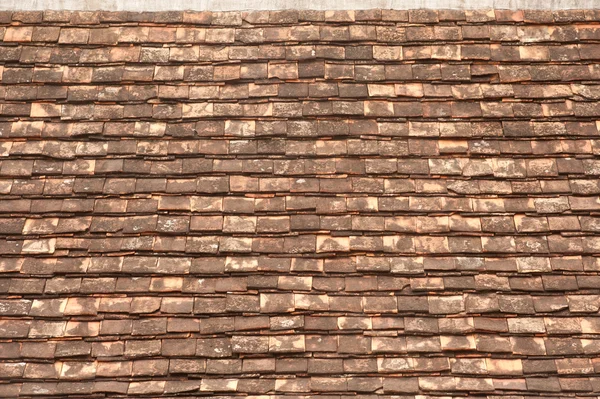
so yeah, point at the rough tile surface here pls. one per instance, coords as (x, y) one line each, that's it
(300, 204)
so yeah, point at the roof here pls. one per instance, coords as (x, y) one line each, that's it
(302, 203)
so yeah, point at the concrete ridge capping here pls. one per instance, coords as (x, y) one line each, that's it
(241, 5)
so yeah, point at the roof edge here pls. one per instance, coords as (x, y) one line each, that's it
(243, 5)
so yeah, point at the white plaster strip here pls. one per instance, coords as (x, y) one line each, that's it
(238, 5)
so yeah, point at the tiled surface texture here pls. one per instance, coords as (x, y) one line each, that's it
(300, 204)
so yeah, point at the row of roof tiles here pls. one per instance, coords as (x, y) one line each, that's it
(389, 33)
